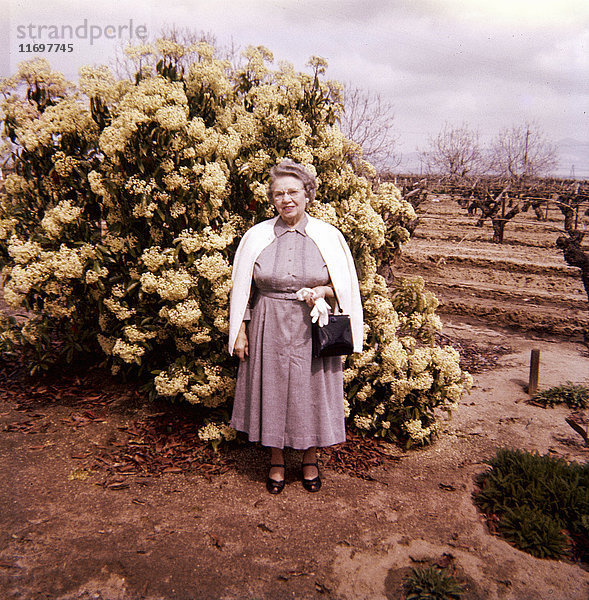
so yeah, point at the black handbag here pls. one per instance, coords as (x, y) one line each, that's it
(335, 338)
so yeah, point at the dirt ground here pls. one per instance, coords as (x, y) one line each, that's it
(523, 283)
(78, 523)
(65, 535)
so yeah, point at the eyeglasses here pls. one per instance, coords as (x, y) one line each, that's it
(281, 194)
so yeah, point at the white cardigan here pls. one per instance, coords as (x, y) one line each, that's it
(335, 253)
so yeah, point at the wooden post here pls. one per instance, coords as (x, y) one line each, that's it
(534, 372)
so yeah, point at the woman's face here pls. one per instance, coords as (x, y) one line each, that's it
(290, 200)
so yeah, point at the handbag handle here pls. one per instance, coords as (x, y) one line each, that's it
(341, 310)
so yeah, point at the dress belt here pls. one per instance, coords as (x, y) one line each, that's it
(279, 295)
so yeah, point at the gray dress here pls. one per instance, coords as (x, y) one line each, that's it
(284, 396)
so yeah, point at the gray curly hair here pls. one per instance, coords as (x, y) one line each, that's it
(289, 168)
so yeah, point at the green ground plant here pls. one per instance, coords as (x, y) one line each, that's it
(541, 502)
(575, 396)
(126, 205)
(432, 583)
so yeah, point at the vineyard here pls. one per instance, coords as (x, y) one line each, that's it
(523, 282)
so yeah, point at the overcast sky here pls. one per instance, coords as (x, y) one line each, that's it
(489, 63)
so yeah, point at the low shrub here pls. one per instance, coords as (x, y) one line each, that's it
(127, 201)
(573, 395)
(531, 530)
(538, 500)
(432, 583)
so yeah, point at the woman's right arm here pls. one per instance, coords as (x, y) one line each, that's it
(241, 343)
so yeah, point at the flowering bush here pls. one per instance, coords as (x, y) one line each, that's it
(128, 200)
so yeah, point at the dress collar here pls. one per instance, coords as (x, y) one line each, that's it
(280, 227)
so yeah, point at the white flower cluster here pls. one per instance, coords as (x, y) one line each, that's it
(388, 200)
(145, 208)
(174, 285)
(172, 383)
(119, 310)
(364, 393)
(154, 258)
(99, 82)
(168, 47)
(7, 228)
(325, 212)
(153, 99)
(216, 432)
(138, 51)
(209, 73)
(64, 165)
(38, 70)
(363, 422)
(23, 252)
(447, 360)
(177, 209)
(172, 117)
(176, 181)
(133, 334)
(184, 314)
(214, 183)
(222, 290)
(208, 240)
(221, 323)
(214, 391)
(420, 360)
(213, 267)
(59, 216)
(64, 264)
(138, 186)
(229, 144)
(201, 336)
(130, 353)
(93, 276)
(96, 183)
(197, 129)
(149, 283)
(419, 434)
(349, 375)
(69, 116)
(333, 143)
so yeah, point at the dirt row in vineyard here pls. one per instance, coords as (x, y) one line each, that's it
(523, 283)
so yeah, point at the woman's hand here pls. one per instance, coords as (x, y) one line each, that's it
(321, 291)
(241, 347)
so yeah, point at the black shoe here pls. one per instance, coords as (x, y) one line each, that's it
(312, 485)
(274, 486)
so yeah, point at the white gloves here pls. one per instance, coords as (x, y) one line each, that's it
(319, 312)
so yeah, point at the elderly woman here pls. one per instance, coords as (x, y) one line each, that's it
(284, 396)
